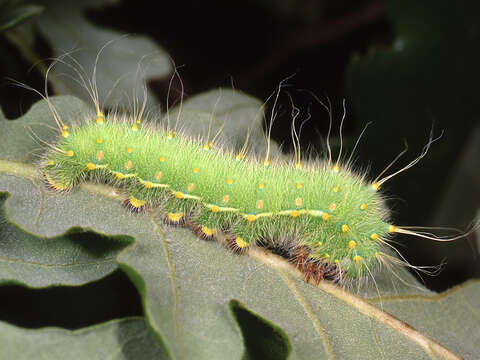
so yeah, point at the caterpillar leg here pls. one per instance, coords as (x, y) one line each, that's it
(203, 232)
(237, 244)
(175, 218)
(315, 268)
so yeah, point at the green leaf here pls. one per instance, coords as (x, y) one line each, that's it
(187, 285)
(124, 65)
(118, 339)
(14, 12)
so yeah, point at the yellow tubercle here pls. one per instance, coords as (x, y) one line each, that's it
(375, 186)
(69, 153)
(266, 162)
(136, 202)
(120, 175)
(336, 189)
(225, 199)
(100, 155)
(129, 150)
(162, 158)
(99, 140)
(345, 228)
(196, 170)
(208, 231)
(64, 127)
(158, 175)
(391, 228)
(215, 209)
(240, 242)
(374, 236)
(175, 217)
(326, 255)
(299, 185)
(357, 258)
(229, 181)
(100, 117)
(298, 165)
(191, 187)
(179, 195)
(352, 244)
(128, 165)
(336, 168)
(332, 206)
(261, 186)
(65, 133)
(320, 243)
(298, 201)
(251, 217)
(363, 206)
(148, 184)
(239, 157)
(206, 146)
(91, 166)
(295, 213)
(325, 216)
(51, 162)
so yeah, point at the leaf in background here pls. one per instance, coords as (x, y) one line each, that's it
(187, 285)
(14, 12)
(118, 77)
(118, 339)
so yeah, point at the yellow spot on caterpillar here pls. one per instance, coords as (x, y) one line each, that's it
(259, 204)
(345, 228)
(240, 242)
(100, 155)
(363, 206)
(65, 127)
(266, 162)
(239, 157)
(148, 184)
(136, 202)
(299, 185)
(65, 133)
(100, 117)
(134, 127)
(191, 187)
(298, 201)
(206, 147)
(120, 175)
(352, 244)
(175, 217)
(162, 158)
(374, 236)
(261, 186)
(327, 255)
(251, 217)
(336, 261)
(53, 185)
(357, 258)
(298, 165)
(179, 195)
(171, 135)
(229, 181)
(207, 231)
(91, 166)
(159, 175)
(129, 150)
(391, 228)
(99, 140)
(295, 213)
(375, 186)
(139, 121)
(336, 168)
(225, 199)
(332, 206)
(325, 216)
(69, 153)
(320, 243)
(336, 188)
(196, 170)
(128, 165)
(215, 208)
(51, 162)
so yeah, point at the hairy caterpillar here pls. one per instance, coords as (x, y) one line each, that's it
(323, 216)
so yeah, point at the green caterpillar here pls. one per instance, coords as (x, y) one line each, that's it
(325, 217)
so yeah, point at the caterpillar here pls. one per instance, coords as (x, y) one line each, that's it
(330, 220)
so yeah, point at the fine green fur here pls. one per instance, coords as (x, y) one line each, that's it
(314, 208)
